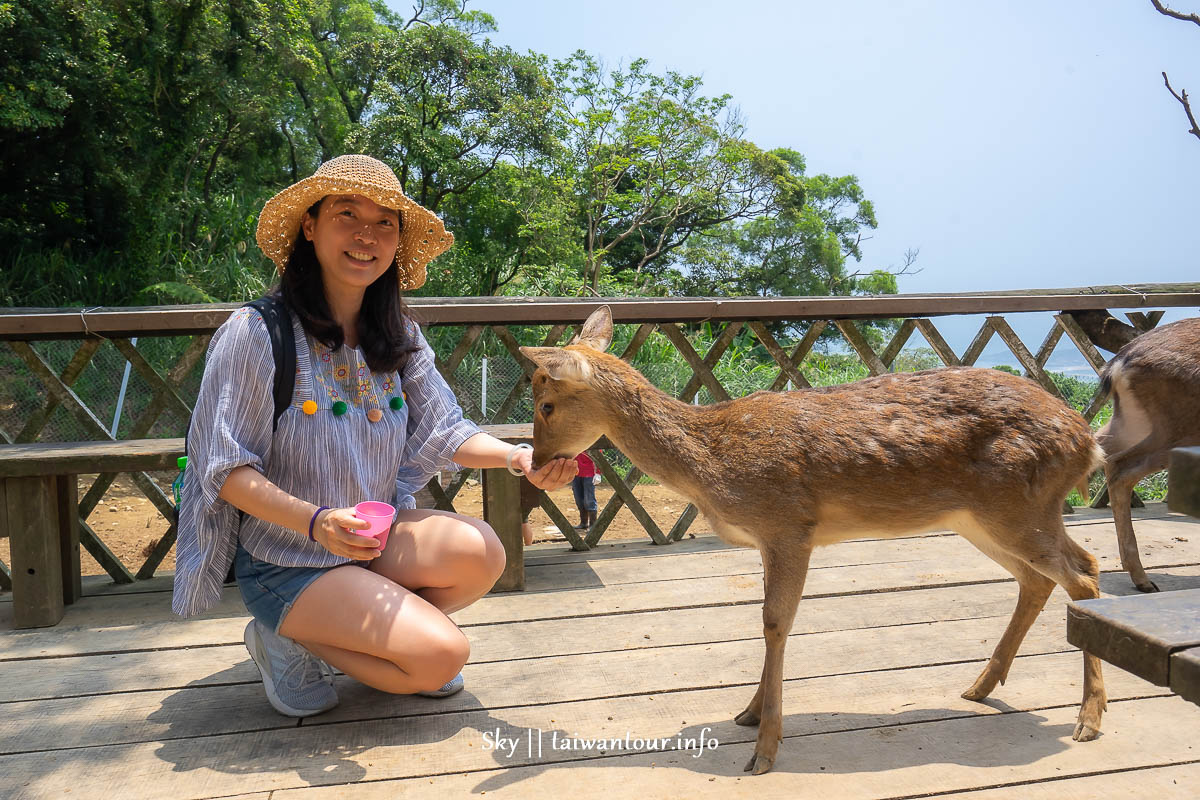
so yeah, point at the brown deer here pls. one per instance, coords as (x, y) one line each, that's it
(986, 454)
(1155, 385)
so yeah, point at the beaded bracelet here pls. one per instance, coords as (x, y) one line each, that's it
(313, 520)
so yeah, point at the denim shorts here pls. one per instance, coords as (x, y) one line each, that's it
(269, 590)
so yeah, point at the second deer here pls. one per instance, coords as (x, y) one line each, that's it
(980, 452)
(1155, 385)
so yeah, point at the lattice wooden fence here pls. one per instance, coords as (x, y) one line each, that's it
(27, 332)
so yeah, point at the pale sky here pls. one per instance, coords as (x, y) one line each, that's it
(1023, 144)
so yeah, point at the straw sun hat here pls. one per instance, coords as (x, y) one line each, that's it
(423, 237)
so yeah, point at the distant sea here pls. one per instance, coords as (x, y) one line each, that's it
(1065, 359)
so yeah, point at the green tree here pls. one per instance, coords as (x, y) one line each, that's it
(650, 160)
(802, 245)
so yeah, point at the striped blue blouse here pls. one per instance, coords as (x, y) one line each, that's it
(324, 458)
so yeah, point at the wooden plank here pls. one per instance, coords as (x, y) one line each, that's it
(607, 671)
(700, 369)
(1048, 344)
(935, 340)
(527, 366)
(830, 703)
(639, 338)
(61, 458)
(129, 455)
(562, 523)
(1183, 480)
(975, 348)
(1137, 633)
(156, 382)
(46, 323)
(131, 622)
(1158, 782)
(461, 349)
(105, 557)
(502, 510)
(683, 523)
(861, 346)
(36, 554)
(626, 494)
(904, 761)
(718, 348)
(674, 579)
(126, 717)
(801, 350)
(1144, 321)
(444, 755)
(1081, 341)
(787, 369)
(897, 343)
(1185, 674)
(1023, 356)
(36, 421)
(556, 635)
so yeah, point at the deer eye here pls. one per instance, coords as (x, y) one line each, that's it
(546, 409)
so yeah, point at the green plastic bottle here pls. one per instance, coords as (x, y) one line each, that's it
(177, 484)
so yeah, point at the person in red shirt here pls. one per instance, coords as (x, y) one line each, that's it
(584, 487)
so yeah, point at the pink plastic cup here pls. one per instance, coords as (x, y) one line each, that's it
(380, 515)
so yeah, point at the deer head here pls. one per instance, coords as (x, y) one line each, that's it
(568, 417)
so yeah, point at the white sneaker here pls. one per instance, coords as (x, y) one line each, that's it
(298, 684)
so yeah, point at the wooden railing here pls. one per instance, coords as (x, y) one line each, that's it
(27, 334)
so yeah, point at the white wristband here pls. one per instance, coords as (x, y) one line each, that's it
(508, 458)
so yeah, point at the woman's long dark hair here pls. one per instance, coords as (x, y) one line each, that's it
(384, 334)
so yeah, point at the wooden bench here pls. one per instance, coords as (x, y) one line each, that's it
(1154, 636)
(39, 513)
(1183, 480)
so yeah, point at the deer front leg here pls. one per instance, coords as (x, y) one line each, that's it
(785, 570)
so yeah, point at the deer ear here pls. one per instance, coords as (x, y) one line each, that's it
(597, 331)
(560, 365)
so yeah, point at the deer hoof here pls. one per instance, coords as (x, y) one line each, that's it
(982, 688)
(758, 764)
(747, 717)
(1084, 732)
(1146, 586)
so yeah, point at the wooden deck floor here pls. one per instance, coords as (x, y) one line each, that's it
(123, 700)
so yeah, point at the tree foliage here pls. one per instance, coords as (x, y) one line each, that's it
(138, 141)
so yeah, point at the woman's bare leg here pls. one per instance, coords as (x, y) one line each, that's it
(386, 626)
(448, 559)
(376, 631)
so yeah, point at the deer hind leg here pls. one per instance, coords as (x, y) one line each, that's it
(1047, 549)
(784, 571)
(1123, 471)
(1079, 574)
(1035, 590)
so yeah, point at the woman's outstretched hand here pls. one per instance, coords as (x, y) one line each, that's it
(551, 475)
(334, 530)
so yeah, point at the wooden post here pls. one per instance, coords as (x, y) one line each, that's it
(502, 510)
(5, 575)
(32, 510)
(67, 500)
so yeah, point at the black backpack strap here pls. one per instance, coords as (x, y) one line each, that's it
(283, 347)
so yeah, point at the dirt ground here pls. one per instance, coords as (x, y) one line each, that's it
(130, 525)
